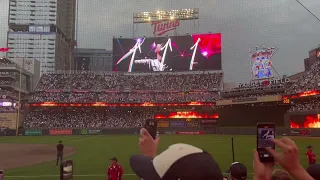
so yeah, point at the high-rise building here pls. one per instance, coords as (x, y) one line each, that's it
(43, 30)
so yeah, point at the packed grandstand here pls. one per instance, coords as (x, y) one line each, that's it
(138, 88)
(183, 89)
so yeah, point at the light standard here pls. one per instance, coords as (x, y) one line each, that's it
(19, 98)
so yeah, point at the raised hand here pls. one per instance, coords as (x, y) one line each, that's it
(148, 146)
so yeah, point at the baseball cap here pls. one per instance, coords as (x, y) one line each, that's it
(238, 171)
(309, 146)
(314, 171)
(114, 159)
(179, 161)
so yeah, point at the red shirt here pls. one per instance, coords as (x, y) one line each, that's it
(311, 156)
(115, 172)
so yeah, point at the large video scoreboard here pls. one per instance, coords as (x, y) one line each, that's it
(175, 53)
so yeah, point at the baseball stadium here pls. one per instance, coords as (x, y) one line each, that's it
(161, 90)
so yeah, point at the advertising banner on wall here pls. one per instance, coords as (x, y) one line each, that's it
(300, 132)
(84, 132)
(33, 132)
(60, 132)
(191, 132)
(90, 131)
(8, 120)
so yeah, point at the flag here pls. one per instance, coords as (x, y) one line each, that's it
(4, 49)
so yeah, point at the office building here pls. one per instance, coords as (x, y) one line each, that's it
(43, 30)
(93, 59)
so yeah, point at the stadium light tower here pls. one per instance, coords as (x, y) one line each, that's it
(171, 18)
(182, 14)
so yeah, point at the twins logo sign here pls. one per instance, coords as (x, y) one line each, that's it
(160, 28)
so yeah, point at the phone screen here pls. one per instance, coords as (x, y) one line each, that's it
(151, 126)
(265, 132)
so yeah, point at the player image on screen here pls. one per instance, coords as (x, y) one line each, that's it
(265, 134)
(153, 64)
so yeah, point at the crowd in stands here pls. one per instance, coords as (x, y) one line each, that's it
(313, 104)
(92, 97)
(126, 81)
(309, 81)
(5, 83)
(125, 87)
(77, 118)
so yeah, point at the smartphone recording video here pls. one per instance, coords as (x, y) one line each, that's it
(152, 127)
(265, 132)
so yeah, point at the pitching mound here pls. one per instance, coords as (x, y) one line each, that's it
(20, 155)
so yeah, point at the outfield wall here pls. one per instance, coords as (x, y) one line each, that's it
(218, 130)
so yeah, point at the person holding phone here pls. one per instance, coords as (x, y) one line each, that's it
(288, 158)
(312, 158)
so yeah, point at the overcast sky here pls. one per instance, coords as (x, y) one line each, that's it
(243, 24)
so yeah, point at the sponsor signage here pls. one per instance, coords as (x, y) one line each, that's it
(177, 124)
(266, 83)
(6, 104)
(300, 132)
(209, 121)
(191, 132)
(163, 124)
(162, 27)
(90, 131)
(95, 131)
(245, 99)
(84, 131)
(192, 124)
(167, 132)
(33, 132)
(305, 132)
(60, 132)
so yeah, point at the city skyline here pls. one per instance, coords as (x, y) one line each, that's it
(244, 24)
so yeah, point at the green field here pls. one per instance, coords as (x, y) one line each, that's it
(93, 152)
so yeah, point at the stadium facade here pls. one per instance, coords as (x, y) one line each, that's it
(93, 59)
(42, 30)
(12, 77)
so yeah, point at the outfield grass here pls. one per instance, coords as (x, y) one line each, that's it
(93, 152)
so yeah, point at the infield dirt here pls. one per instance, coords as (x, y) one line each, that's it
(21, 155)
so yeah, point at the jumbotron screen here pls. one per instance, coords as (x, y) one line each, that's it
(305, 121)
(176, 53)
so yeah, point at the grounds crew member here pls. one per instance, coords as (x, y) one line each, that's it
(60, 147)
